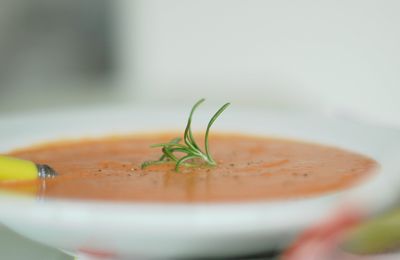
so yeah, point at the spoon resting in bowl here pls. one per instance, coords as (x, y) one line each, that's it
(14, 169)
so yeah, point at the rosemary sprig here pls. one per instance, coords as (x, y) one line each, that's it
(190, 149)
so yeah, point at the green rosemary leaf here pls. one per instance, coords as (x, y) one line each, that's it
(183, 159)
(169, 154)
(149, 163)
(189, 148)
(170, 145)
(219, 112)
(188, 136)
(172, 142)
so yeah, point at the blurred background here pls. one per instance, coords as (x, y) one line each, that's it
(339, 57)
(334, 56)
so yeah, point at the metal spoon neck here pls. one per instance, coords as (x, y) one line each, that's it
(45, 171)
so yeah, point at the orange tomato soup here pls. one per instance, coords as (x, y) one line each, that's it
(249, 169)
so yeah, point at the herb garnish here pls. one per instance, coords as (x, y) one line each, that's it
(190, 148)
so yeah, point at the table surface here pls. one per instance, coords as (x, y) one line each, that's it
(16, 247)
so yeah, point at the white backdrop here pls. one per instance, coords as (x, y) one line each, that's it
(340, 55)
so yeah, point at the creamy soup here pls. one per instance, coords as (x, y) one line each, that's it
(249, 169)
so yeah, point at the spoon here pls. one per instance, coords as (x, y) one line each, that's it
(15, 169)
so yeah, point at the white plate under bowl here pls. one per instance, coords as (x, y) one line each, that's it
(148, 230)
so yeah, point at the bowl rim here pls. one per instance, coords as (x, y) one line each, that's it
(13, 124)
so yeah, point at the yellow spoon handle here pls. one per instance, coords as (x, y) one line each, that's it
(14, 169)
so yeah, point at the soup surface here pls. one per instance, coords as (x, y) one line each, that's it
(249, 169)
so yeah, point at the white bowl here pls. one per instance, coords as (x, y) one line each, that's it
(131, 230)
